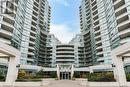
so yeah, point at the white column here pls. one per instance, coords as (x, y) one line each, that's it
(12, 71)
(58, 72)
(72, 71)
(119, 72)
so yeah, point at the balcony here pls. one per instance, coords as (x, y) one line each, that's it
(100, 59)
(125, 33)
(118, 3)
(8, 16)
(98, 37)
(31, 48)
(99, 47)
(69, 60)
(86, 53)
(5, 41)
(95, 17)
(122, 15)
(31, 53)
(114, 1)
(69, 48)
(32, 42)
(125, 18)
(95, 12)
(5, 34)
(94, 3)
(125, 40)
(100, 53)
(7, 26)
(97, 33)
(64, 63)
(98, 42)
(29, 59)
(33, 33)
(124, 25)
(65, 56)
(32, 38)
(121, 10)
(61, 52)
(94, 8)
(97, 27)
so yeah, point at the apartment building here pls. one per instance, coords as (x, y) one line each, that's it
(105, 26)
(65, 54)
(52, 41)
(25, 24)
(77, 41)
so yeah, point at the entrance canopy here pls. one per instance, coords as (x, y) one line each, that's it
(7, 51)
(123, 50)
(118, 56)
(13, 56)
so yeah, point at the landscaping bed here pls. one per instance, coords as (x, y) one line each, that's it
(23, 76)
(97, 77)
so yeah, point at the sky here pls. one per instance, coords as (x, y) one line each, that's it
(65, 22)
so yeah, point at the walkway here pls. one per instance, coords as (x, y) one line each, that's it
(64, 83)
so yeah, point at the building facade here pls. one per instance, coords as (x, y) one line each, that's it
(65, 54)
(25, 24)
(105, 25)
(52, 41)
(77, 41)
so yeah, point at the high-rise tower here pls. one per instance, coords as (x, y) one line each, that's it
(105, 26)
(25, 24)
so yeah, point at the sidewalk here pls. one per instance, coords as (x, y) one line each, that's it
(64, 83)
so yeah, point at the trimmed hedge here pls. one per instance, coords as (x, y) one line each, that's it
(28, 80)
(97, 77)
(128, 77)
(24, 76)
(101, 77)
(2, 78)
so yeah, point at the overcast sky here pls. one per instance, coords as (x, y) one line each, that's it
(65, 19)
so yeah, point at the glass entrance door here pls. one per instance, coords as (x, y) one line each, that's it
(65, 75)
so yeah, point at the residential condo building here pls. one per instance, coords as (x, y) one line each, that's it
(25, 24)
(105, 25)
(65, 54)
(52, 41)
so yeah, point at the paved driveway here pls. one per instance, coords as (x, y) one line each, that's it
(64, 83)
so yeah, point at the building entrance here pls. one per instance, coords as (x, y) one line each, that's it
(65, 75)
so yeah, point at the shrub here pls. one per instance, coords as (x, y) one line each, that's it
(2, 78)
(108, 76)
(77, 75)
(40, 73)
(21, 74)
(101, 77)
(128, 77)
(28, 76)
(53, 75)
(43, 74)
(94, 77)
